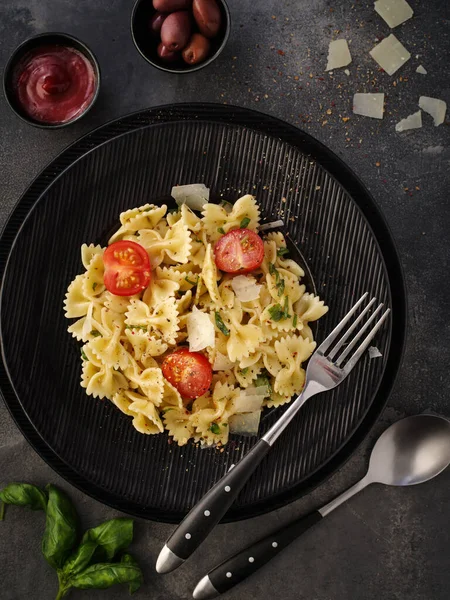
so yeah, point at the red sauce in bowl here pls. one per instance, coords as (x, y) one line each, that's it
(55, 84)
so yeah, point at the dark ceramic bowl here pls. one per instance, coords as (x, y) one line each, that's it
(44, 39)
(146, 44)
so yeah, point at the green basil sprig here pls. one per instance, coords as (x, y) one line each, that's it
(97, 561)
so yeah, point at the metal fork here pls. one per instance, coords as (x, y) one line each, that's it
(328, 367)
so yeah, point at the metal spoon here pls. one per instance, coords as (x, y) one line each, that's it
(409, 452)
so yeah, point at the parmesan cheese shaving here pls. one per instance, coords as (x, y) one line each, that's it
(245, 288)
(374, 352)
(261, 390)
(421, 70)
(194, 195)
(390, 54)
(434, 107)
(200, 330)
(246, 424)
(368, 105)
(414, 121)
(394, 12)
(272, 225)
(245, 403)
(338, 55)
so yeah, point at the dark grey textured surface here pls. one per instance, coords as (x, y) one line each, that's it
(387, 543)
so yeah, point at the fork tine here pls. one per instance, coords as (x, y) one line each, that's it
(365, 344)
(352, 344)
(340, 326)
(344, 338)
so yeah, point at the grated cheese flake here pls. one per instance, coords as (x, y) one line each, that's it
(245, 288)
(421, 70)
(414, 121)
(390, 54)
(338, 55)
(200, 330)
(194, 195)
(434, 107)
(394, 12)
(369, 105)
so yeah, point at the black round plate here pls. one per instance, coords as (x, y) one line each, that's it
(78, 198)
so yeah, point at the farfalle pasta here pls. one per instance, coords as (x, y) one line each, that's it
(253, 328)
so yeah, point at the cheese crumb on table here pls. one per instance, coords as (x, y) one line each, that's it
(421, 70)
(369, 105)
(434, 107)
(394, 12)
(338, 55)
(414, 121)
(390, 54)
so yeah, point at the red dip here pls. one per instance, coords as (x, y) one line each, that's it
(54, 84)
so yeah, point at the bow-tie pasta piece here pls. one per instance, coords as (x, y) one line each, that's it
(310, 308)
(217, 220)
(145, 217)
(101, 382)
(88, 253)
(177, 422)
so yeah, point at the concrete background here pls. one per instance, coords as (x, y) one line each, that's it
(386, 544)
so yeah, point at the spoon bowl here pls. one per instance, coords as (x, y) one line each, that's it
(411, 451)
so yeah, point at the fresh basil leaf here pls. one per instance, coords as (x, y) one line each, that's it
(22, 494)
(94, 285)
(244, 371)
(273, 270)
(95, 333)
(214, 427)
(190, 281)
(276, 312)
(286, 308)
(282, 251)
(221, 230)
(280, 287)
(221, 325)
(294, 320)
(244, 223)
(100, 543)
(61, 528)
(83, 354)
(128, 559)
(105, 575)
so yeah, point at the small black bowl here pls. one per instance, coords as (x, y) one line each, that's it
(44, 39)
(146, 44)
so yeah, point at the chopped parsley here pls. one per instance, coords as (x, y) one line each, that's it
(95, 333)
(83, 355)
(166, 410)
(214, 428)
(264, 380)
(94, 285)
(279, 282)
(282, 251)
(276, 312)
(198, 240)
(244, 223)
(294, 321)
(143, 327)
(190, 281)
(244, 371)
(221, 230)
(221, 325)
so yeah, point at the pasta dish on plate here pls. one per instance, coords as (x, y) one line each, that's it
(194, 320)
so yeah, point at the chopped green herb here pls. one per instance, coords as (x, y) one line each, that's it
(273, 271)
(294, 321)
(244, 223)
(214, 428)
(143, 327)
(276, 312)
(224, 424)
(282, 251)
(94, 285)
(225, 203)
(280, 287)
(244, 371)
(172, 210)
(95, 333)
(279, 282)
(190, 281)
(83, 354)
(198, 240)
(166, 410)
(286, 307)
(221, 325)
(221, 230)
(263, 380)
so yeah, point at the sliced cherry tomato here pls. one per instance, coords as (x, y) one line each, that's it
(239, 251)
(189, 372)
(127, 268)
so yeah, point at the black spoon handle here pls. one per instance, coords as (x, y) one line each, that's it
(241, 565)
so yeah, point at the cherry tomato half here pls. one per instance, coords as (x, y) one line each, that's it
(239, 251)
(189, 372)
(127, 268)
